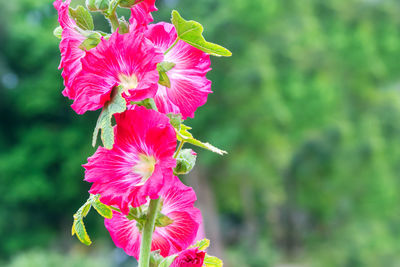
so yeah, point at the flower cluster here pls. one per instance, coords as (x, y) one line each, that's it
(148, 78)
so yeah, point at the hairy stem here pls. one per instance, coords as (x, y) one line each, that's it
(179, 149)
(113, 19)
(148, 229)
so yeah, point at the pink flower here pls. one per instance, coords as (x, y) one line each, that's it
(127, 60)
(139, 163)
(191, 257)
(177, 204)
(189, 85)
(71, 54)
(141, 14)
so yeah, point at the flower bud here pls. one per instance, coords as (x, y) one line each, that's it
(102, 4)
(91, 5)
(97, 5)
(185, 161)
(123, 25)
(127, 3)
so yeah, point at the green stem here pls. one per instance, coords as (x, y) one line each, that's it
(179, 149)
(148, 229)
(172, 46)
(114, 21)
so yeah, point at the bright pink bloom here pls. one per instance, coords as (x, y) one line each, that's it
(71, 54)
(140, 162)
(177, 203)
(189, 85)
(127, 60)
(141, 14)
(191, 257)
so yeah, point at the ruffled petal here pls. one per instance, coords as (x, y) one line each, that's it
(128, 60)
(189, 86)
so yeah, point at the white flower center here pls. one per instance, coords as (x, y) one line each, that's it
(128, 82)
(144, 168)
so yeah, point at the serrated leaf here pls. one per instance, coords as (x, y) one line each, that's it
(202, 244)
(58, 32)
(211, 261)
(191, 33)
(102, 209)
(82, 18)
(185, 161)
(166, 262)
(117, 104)
(186, 136)
(79, 229)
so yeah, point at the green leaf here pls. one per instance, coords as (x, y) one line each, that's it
(202, 244)
(102, 209)
(191, 33)
(186, 136)
(57, 32)
(117, 104)
(185, 161)
(91, 41)
(166, 262)
(211, 261)
(79, 229)
(82, 18)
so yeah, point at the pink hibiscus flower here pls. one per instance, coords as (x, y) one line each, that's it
(191, 257)
(177, 204)
(139, 163)
(127, 60)
(71, 54)
(141, 14)
(189, 85)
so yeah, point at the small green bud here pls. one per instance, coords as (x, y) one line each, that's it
(185, 161)
(127, 3)
(57, 32)
(123, 25)
(91, 5)
(102, 5)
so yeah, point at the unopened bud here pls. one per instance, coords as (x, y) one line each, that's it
(185, 161)
(123, 26)
(127, 3)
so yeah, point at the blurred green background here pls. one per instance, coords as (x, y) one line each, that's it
(308, 108)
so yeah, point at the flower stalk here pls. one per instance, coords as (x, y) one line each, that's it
(147, 234)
